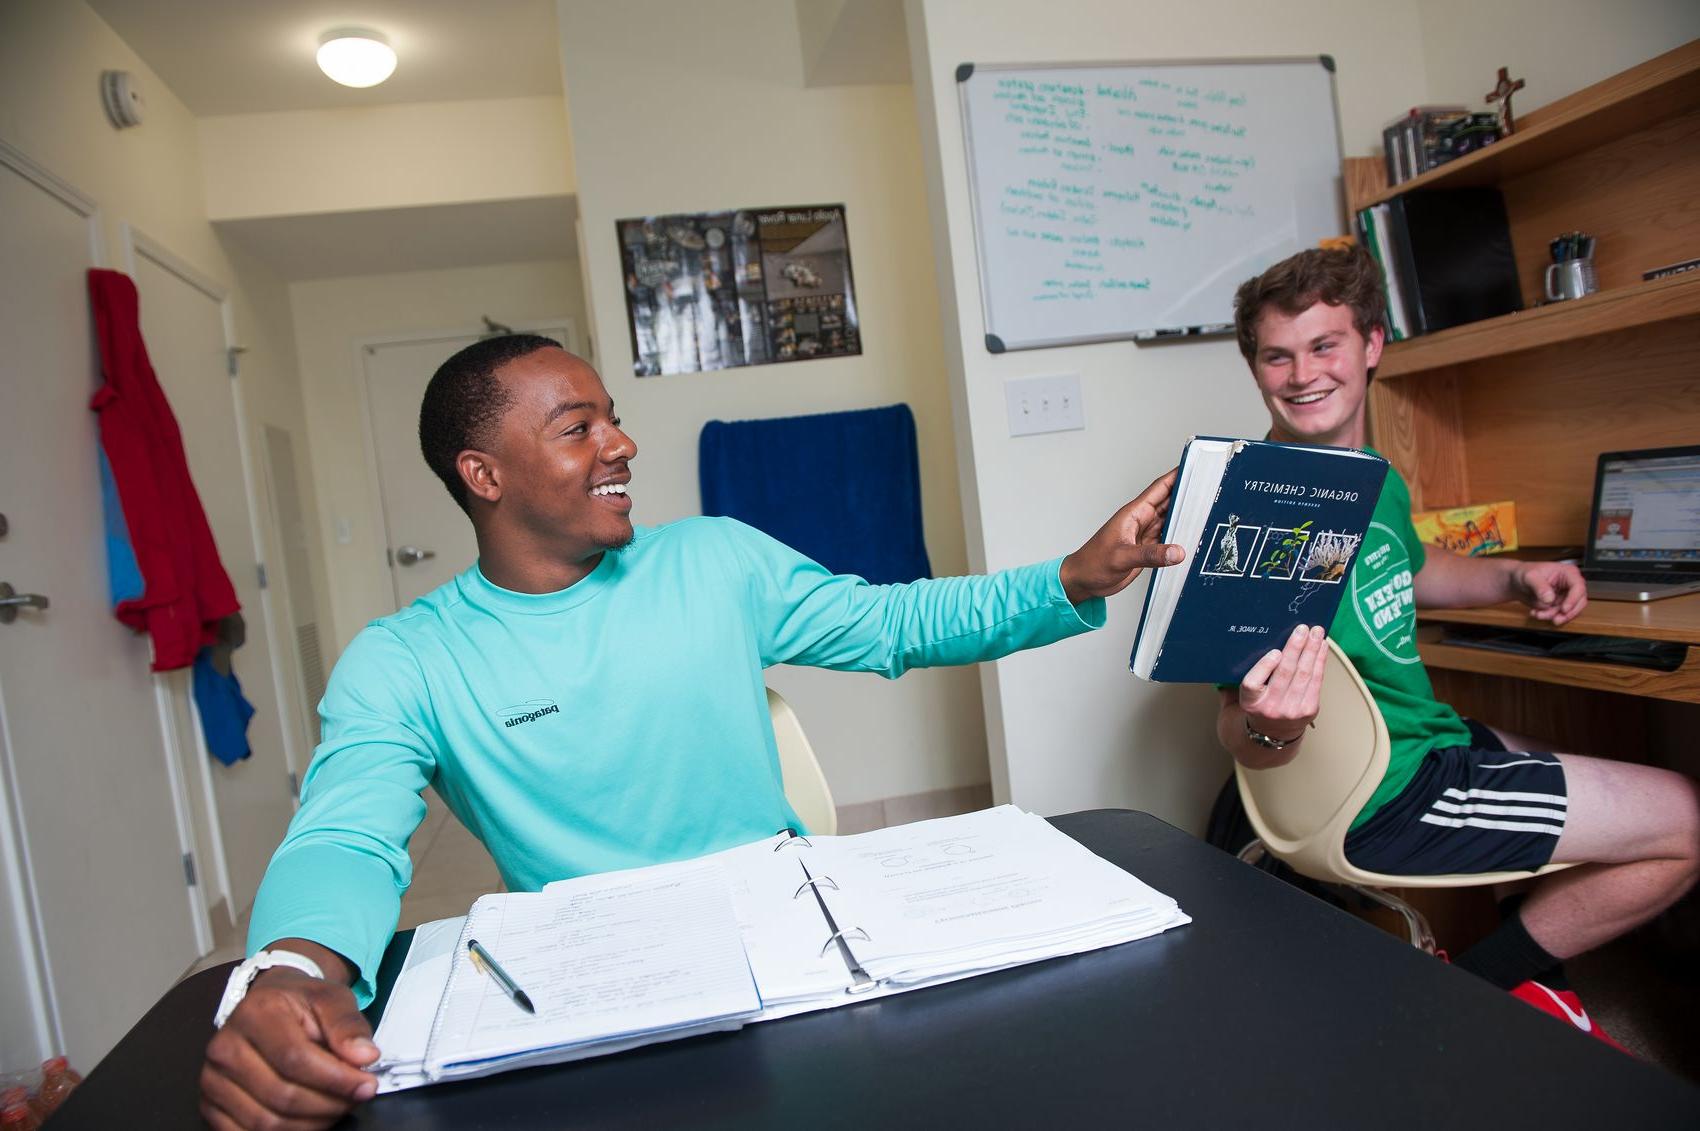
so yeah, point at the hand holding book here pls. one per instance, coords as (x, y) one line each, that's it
(1124, 546)
(1282, 692)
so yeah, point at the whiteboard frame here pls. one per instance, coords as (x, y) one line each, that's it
(966, 71)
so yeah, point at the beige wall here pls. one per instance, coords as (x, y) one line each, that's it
(1071, 728)
(712, 113)
(410, 155)
(1556, 46)
(331, 316)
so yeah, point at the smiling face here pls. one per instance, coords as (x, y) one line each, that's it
(556, 468)
(1313, 371)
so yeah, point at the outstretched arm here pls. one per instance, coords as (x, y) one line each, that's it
(1123, 546)
(294, 1051)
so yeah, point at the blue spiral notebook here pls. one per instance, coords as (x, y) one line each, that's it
(1271, 532)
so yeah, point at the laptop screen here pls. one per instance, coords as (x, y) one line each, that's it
(1647, 509)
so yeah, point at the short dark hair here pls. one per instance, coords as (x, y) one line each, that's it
(464, 401)
(1344, 277)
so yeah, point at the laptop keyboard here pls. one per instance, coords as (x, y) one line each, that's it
(1651, 577)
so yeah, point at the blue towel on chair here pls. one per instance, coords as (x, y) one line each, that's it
(843, 488)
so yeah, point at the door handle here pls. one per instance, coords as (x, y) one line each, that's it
(412, 555)
(11, 601)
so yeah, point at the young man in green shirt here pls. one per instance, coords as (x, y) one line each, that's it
(586, 697)
(1458, 796)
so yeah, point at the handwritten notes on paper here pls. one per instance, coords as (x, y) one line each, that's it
(1112, 200)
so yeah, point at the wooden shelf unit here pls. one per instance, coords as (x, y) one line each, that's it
(1643, 96)
(1623, 308)
(1675, 619)
(1679, 686)
(1517, 407)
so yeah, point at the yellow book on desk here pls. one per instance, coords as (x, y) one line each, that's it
(781, 926)
(1485, 528)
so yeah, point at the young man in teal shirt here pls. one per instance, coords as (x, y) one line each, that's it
(1458, 796)
(587, 696)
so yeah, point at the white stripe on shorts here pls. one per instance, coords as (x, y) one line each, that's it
(1525, 760)
(1507, 795)
(1501, 810)
(1485, 823)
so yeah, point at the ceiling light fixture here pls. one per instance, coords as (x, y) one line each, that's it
(356, 56)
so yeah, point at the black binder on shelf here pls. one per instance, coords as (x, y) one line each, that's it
(1452, 252)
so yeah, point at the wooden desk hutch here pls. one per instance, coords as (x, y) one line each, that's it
(1517, 407)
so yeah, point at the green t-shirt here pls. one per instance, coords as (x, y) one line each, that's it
(1376, 626)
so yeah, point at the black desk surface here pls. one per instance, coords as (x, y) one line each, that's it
(1271, 1010)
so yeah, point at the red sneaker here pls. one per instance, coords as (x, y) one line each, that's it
(1564, 1005)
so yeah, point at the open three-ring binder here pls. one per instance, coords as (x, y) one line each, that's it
(781, 926)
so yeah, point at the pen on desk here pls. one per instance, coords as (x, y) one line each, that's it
(481, 959)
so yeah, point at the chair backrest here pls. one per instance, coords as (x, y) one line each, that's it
(805, 785)
(1303, 810)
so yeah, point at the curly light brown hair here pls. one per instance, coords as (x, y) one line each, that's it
(1344, 277)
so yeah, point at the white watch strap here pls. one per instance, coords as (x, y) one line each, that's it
(243, 976)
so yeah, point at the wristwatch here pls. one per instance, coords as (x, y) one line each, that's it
(1265, 741)
(243, 976)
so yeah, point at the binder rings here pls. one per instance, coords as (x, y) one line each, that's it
(781, 926)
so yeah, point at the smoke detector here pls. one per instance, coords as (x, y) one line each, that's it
(123, 101)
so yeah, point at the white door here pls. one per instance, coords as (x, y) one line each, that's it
(429, 538)
(183, 322)
(97, 920)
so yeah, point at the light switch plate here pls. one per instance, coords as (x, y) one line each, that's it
(1045, 404)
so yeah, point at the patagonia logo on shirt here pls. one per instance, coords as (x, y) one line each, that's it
(528, 712)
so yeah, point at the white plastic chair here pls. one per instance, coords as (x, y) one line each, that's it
(1301, 811)
(805, 785)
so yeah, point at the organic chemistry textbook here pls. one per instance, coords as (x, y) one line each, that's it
(1271, 531)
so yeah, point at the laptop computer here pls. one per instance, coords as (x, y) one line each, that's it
(1644, 533)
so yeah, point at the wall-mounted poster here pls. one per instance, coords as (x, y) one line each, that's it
(719, 289)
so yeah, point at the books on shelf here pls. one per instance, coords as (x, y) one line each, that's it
(1426, 137)
(1445, 258)
(1271, 532)
(781, 926)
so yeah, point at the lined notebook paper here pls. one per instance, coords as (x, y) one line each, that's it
(780, 926)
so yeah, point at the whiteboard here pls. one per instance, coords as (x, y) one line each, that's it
(1130, 200)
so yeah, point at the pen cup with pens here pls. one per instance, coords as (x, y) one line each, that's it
(1571, 272)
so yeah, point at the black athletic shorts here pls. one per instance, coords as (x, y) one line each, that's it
(1476, 808)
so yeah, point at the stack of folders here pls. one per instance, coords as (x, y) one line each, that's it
(1445, 258)
(781, 926)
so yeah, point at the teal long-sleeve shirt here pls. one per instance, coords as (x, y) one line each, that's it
(619, 722)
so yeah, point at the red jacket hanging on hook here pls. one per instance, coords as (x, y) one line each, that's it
(186, 589)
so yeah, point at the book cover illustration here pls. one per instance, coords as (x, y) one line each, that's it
(1485, 528)
(1276, 551)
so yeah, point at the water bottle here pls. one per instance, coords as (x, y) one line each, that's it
(17, 1116)
(57, 1080)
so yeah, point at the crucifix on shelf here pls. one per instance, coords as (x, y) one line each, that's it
(1501, 93)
